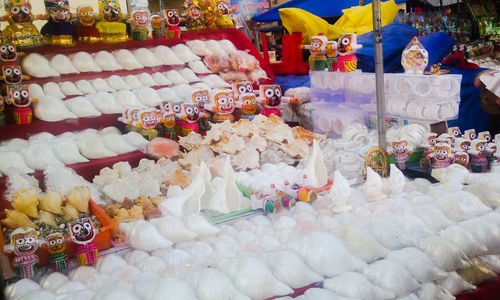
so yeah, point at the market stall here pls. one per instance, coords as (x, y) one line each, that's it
(158, 163)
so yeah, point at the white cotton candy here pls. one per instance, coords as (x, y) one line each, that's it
(142, 235)
(199, 67)
(62, 64)
(82, 107)
(84, 62)
(464, 241)
(167, 94)
(53, 281)
(166, 55)
(85, 86)
(135, 139)
(484, 232)
(325, 254)
(117, 144)
(198, 47)
(127, 98)
(160, 79)
(211, 284)
(68, 88)
(133, 82)
(36, 91)
(52, 109)
(21, 288)
(492, 261)
(418, 264)
(37, 295)
(455, 285)
(146, 79)
(146, 58)
(52, 89)
(189, 75)
(66, 150)
(37, 65)
(171, 288)
(127, 60)
(105, 103)
(228, 46)
(175, 77)
(355, 285)
(117, 83)
(39, 156)
(184, 54)
(106, 61)
(290, 268)
(431, 291)
(253, 277)
(361, 243)
(214, 81)
(444, 253)
(391, 276)
(92, 147)
(461, 205)
(173, 229)
(148, 96)
(82, 274)
(199, 225)
(100, 85)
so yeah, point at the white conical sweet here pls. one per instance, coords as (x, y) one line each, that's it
(192, 199)
(227, 196)
(340, 193)
(397, 180)
(315, 168)
(373, 186)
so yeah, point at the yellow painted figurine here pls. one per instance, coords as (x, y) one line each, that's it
(111, 27)
(21, 31)
(222, 14)
(85, 30)
(193, 18)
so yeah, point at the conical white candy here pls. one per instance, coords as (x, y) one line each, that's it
(397, 180)
(373, 185)
(62, 64)
(84, 62)
(37, 65)
(340, 193)
(315, 169)
(106, 61)
(227, 196)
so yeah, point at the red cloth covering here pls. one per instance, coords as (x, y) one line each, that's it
(458, 60)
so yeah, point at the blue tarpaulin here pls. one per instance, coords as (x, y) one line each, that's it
(319, 8)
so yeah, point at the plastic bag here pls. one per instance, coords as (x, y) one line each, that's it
(432, 216)
(391, 276)
(199, 67)
(198, 48)
(142, 235)
(320, 294)
(418, 264)
(389, 234)
(361, 243)
(37, 65)
(21, 288)
(455, 285)
(68, 88)
(127, 60)
(62, 64)
(101, 85)
(105, 103)
(430, 291)
(461, 205)
(133, 82)
(214, 47)
(444, 253)
(355, 285)
(218, 63)
(233, 76)
(228, 46)
(325, 254)
(53, 281)
(464, 241)
(82, 274)
(146, 58)
(84, 62)
(85, 87)
(106, 61)
(257, 75)
(483, 231)
(184, 54)
(117, 83)
(148, 96)
(166, 55)
(38, 295)
(52, 89)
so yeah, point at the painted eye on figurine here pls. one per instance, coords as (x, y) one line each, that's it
(205, 98)
(345, 41)
(269, 93)
(87, 226)
(17, 71)
(84, 14)
(19, 241)
(15, 10)
(107, 10)
(77, 228)
(220, 6)
(277, 92)
(189, 110)
(242, 89)
(231, 101)
(222, 101)
(11, 48)
(196, 110)
(3, 49)
(198, 98)
(8, 72)
(170, 14)
(480, 148)
(25, 10)
(472, 135)
(25, 94)
(254, 102)
(16, 94)
(145, 118)
(59, 241)
(487, 138)
(249, 88)
(177, 108)
(52, 243)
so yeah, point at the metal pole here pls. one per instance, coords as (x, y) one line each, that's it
(379, 73)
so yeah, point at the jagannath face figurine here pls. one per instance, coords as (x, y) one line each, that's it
(12, 74)
(140, 18)
(176, 106)
(348, 43)
(194, 11)
(110, 10)
(200, 97)
(156, 21)
(478, 147)
(19, 96)
(148, 119)
(24, 240)
(248, 104)
(56, 243)
(58, 10)
(19, 10)
(172, 17)
(242, 87)
(455, 132)
(318, 44)
(462, 144)
(461, 158)
(8, 52)
(224, 103)
(470, 134)
(82, 231)
(442, 151)
(86, 15)
(484, 135)
(222, 7)
(270, 95)
(189, 112)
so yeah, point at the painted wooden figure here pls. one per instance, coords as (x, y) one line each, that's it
(83, 233)
(347, 46)
(24, 240)
(56, 247)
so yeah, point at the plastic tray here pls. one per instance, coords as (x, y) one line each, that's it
(102, 240)
(332, 119)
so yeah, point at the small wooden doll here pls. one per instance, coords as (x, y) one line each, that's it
(331, 56)
(111, 27)
(270, 97)
(168, 121)
(172, 20)
(347, 46)
(245, 99)
(83, 233)
(2, 114)
(146, 120)
(56, 245)
(20, 97)
(317, 49)
(58, 29)
(139, 21)
(9, 54)
(21, 31)
(470, 134)
(221, 104)
(222, 14)
(193, 17)
(188, 119)
(478, 159)
(200, 98)
(85, 29)
(401, 150)
(441, 157)
(24, 240)
(156, 24)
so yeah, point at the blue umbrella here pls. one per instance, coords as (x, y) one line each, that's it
(320, 8)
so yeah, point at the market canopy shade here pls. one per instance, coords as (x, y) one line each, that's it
(320, 8)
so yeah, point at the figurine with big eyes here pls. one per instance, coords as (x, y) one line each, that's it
(172, 20)
(200, 98)
(401, 150)
(222, 14)
(147, 119)
(83, 233)
(168, 121)
(156, 24)
(126, 118)
(20, 97)
(477, 151)
(139, 21)
(317, 50)
(111, 27)
(347, 46)
(188, 119)
(441, 156)
(9, 54)
(193, 17)
(461, 158)
(222, 105)
(85, 30)
(21, 31)
(12, 74)
(58, 29)
(56, 246)
(455, 132)
(429, 142)
(470, 134)
(270, 97)
(25, 241)
(461, 145)
(245, 99)
(331, 56)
